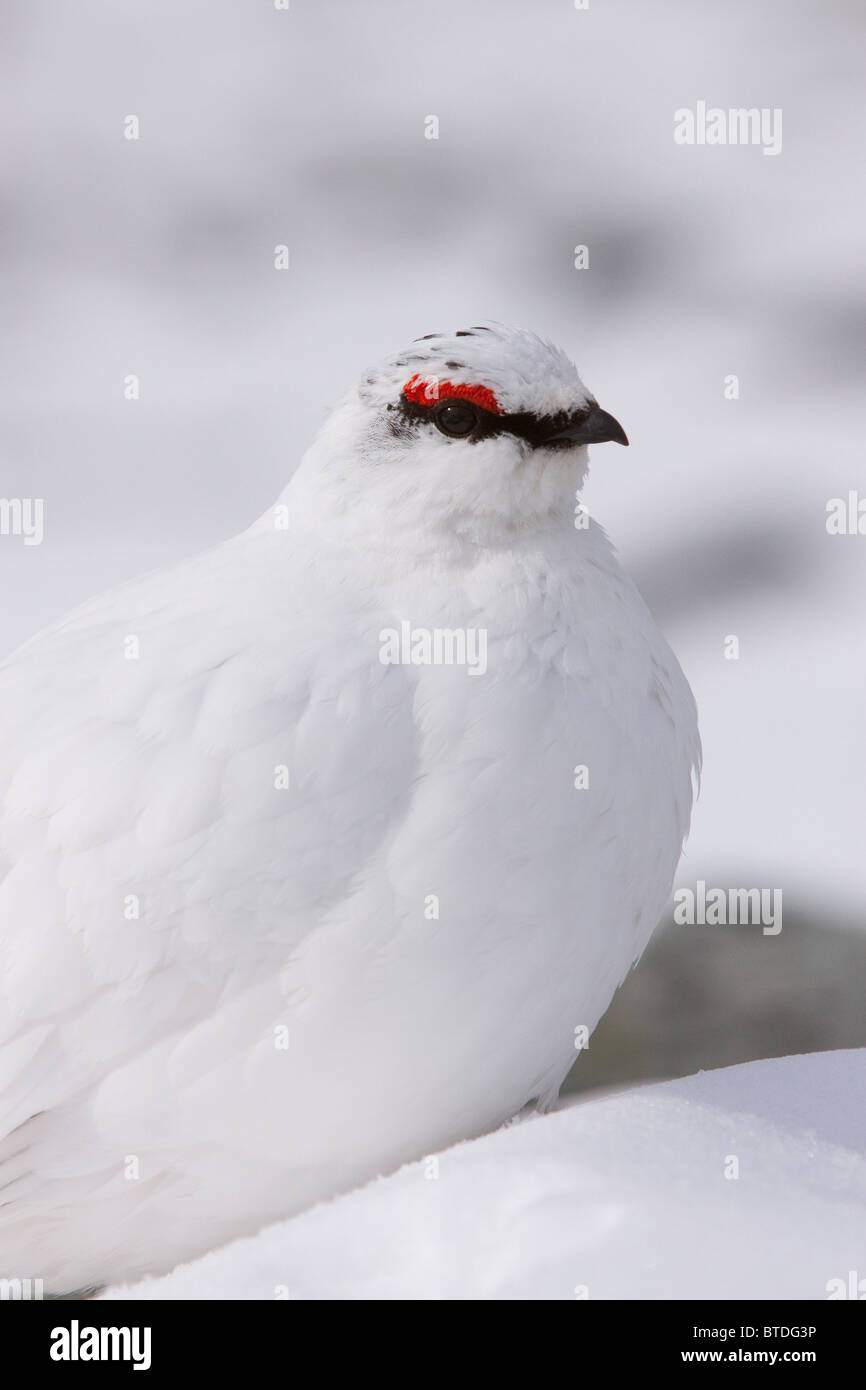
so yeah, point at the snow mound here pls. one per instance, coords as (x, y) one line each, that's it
(632, 1195)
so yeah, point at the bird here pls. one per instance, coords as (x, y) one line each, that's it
(328, 847)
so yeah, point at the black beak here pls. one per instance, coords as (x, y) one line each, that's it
(593, 426)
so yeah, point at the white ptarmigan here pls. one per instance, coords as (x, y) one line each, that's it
(320, 847)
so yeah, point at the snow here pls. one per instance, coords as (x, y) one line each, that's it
(622, 1196)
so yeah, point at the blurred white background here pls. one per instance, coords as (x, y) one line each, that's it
(261, 126)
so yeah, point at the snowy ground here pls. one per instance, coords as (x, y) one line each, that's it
(620, 1197)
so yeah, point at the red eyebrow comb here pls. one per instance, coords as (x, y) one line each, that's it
(427, 390)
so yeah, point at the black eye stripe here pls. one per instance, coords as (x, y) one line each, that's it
(535, 429)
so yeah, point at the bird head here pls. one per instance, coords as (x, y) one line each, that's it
(474, 431)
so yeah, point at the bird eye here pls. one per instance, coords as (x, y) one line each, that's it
(456, 418)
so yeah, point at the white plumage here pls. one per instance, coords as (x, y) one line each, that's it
(172, 914)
